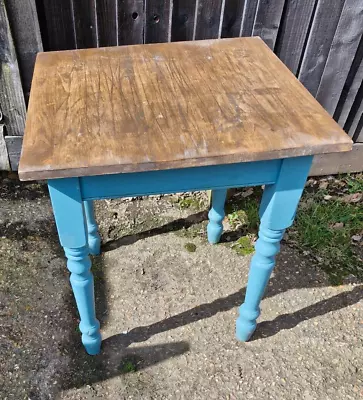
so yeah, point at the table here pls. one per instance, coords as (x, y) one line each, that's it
(163, 118)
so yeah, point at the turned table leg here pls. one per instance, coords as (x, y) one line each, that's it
(94, 240)
(277, 212)
(216, 215)
(72, 230)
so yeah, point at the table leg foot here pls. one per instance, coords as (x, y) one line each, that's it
(216, 215)
(94, 239)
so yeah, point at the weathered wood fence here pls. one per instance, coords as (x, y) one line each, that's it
(321, 41)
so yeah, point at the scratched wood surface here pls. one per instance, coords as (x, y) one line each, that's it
(150, 107)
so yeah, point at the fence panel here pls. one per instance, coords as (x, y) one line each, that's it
(131, 15)
(267, 21)
(294, 28)
(341, 55)
(158, 21)
(23, 19)
(85, 23)
(248, 17)
(11, 92)
(320, 38)
(232, 20)
(321, 41)
(209, 19)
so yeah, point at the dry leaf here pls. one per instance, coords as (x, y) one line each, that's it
(352, 198)
(323, 185)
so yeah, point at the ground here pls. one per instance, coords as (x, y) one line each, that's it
(167, 301)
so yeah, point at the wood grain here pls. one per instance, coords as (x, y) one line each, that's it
(107, 22)
(183, 22)
(358, 135)
(351, 87)
(4, 159)
(13, 146)
(162, 106)
(12, 104)
(86, 25)
(131, 15)
(23, 19)
(338, 163)
(248, 17)
(293, 30)
(232, 20)
(355, 114)
(321, 35)
(158, 20)
(58, 27)
(209, 19)
(341, 55)
(267, 21)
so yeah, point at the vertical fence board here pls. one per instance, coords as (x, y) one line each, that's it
(209, 16)
(11, 92)
(85, 23)
(58, 31)
(131, 16)
(13, 147)
(248, 17)
(4, 160)
(232, 21)
(355, 113)
(267, 22)
(358, 136)
(294, 28)
(343, 49)
(320, 38)
(158, 21)
(23, 19)
(182, 27)
(351, 87)
(107, 22)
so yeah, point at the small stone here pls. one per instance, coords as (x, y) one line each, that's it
(328, 197)
(338, 225)
(357, 238)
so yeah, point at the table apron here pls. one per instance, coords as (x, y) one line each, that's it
(179, 180)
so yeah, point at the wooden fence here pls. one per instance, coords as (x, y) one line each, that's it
(321, 41)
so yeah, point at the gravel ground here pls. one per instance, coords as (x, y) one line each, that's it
(167, 312)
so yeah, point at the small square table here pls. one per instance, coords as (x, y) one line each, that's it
(163, 118)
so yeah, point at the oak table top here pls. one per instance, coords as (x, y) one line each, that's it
(171, 105)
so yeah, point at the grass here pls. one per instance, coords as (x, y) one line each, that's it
(191, 247)
(354, 183)
(323, 227)
(243, 245)
(128, 365)
(326, 228)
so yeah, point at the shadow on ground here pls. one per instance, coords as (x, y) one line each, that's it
(116, 351)
(47, 347)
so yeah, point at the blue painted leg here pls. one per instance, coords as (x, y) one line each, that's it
(277, 212)
(262, 264)
(72, 230)
(94, 240)
(216, 215)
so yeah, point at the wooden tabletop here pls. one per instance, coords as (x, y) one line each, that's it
(172, 105)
